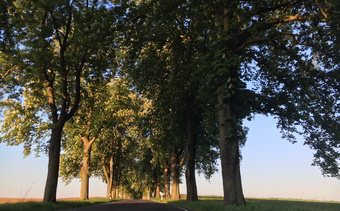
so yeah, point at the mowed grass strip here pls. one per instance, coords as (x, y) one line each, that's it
(216, 204)
(43, 206)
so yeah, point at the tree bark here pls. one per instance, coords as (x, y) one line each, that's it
(117, 191)
(229, 150)
(229, 144)
(158, 188)
(190, 165)
(113, 191)
(150, 193)
(109, 189)
(84, 187)
(50, 194)
(116, 182)
(113, 176)
(166, 181)
(174, 177)
(178, 190)
(121, 190)
(239, 188)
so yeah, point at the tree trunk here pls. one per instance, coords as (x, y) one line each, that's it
(229, 150)
(158, 189)
(84, 187)
(239, 188)
(113, 176)
(113, 191)
(50, 194)
(109, 189)
(174, 177)
(117, 191)
(166, 182)
(121, 190)
(190, 165)
(150, 193)
(178, 190)
(110, 177)
(117, 181)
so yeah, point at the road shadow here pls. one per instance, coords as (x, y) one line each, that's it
(129, 205)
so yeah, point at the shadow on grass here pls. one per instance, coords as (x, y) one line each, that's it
(43, 206)
(216, 204)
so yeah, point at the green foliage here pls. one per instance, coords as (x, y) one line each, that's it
(279, 59)
(163, 55)
(22, 123)
(106, 115)
(53, 49)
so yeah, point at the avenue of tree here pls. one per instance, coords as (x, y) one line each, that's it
(141, 92)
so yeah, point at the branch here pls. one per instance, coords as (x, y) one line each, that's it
(270, 9)
(68, 26)
(284, 20)
(56, 27)
(321, 10)
(86, 140)
(106, 173)
(264, 27)
(51, 101)
(8, 71)
(181, 161)
(49, 81)
(79, 69)
(256, 40)
(92, 140)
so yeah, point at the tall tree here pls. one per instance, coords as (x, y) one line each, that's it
(275, 58)
(92, 118)
(168, 56)
(281, 48)
(53, 42)
(94, 122)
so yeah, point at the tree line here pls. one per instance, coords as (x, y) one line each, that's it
(140, 92)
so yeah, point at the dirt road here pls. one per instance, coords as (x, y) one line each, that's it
(129, 205)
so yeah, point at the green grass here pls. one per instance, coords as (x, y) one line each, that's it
(206, 203)
(43, 206)
(216, 204)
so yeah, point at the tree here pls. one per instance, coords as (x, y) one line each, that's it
(275, 58)
(236, 58)
(280, 48)
(168, 56)
(52, 44)
(89, 125)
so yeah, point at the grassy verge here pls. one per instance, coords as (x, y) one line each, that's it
(43, 206)
(216, 204)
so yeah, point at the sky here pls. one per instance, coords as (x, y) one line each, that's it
(271, 168)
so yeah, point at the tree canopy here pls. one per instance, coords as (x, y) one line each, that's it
(200, 67)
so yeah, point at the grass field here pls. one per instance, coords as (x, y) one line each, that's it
(205, 203)
(41, 206)
(216, 204)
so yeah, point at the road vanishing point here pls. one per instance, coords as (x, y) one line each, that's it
(129, 205)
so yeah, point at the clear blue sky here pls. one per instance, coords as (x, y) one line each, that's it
(271, 167)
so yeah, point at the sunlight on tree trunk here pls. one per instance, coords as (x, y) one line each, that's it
(53, 164)
(174, 177)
